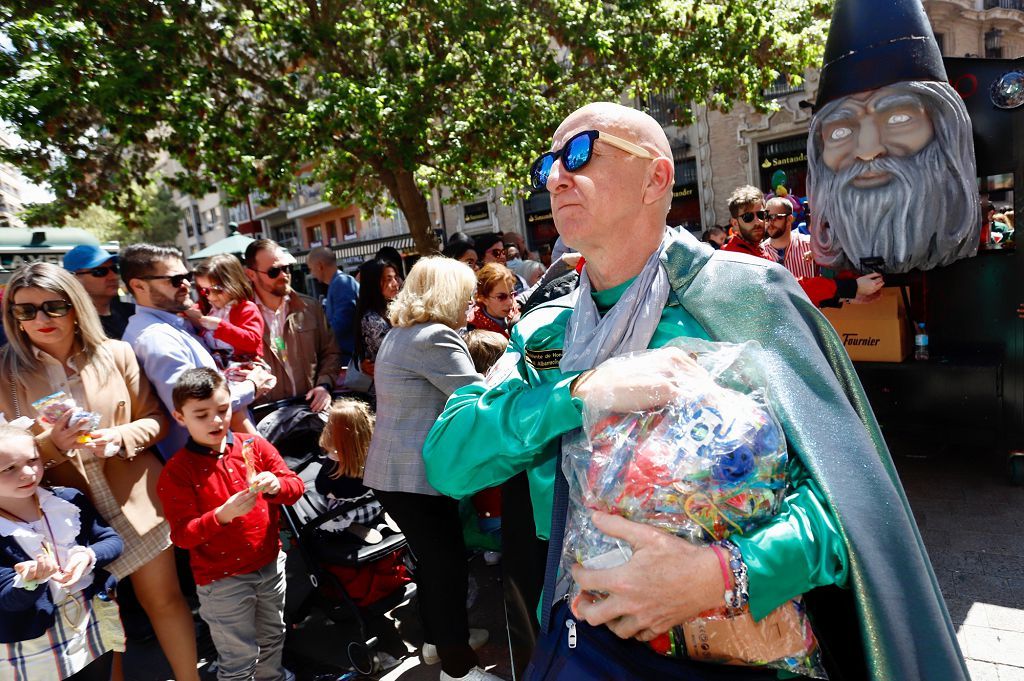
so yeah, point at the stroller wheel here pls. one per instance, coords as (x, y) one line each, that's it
(361, 657)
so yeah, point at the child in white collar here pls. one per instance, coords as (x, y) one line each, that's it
(53, 598)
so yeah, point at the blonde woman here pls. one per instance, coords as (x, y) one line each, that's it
(56, 343)
(421, 362)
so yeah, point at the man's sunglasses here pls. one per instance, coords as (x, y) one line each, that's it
(100, 272)
(207, 290)
(750, 215)
(577, 153)
(777, 216)
(176, 279)
(273, 272)
(26, 312)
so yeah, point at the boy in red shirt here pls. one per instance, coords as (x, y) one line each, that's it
(221, 494)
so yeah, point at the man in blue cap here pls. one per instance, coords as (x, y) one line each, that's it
(96, 270)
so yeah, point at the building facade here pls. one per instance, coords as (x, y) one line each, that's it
(715, 153)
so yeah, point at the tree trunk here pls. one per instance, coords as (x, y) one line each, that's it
(413, 204)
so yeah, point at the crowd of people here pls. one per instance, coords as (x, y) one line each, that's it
(173, 455)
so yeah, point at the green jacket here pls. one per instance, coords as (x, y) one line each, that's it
(846, 521)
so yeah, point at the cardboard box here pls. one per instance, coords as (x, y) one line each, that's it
(874, 332)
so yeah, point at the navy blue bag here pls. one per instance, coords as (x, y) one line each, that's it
(573, 650)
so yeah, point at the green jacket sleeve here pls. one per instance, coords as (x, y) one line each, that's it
(799, 549)
(485, 436)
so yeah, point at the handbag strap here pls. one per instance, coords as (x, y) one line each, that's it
(559, 510)
(14, 397)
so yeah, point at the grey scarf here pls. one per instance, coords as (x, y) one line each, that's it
(628, 327)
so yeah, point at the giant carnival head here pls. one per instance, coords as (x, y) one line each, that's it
(891, 170)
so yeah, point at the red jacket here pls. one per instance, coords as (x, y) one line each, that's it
(822, 291)
(197, 480)
(481, 321)
(243, 329)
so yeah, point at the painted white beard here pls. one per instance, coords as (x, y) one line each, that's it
(922, 219)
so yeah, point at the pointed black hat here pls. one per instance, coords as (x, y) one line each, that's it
(874, 43)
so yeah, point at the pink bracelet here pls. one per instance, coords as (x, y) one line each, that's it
(724, 564)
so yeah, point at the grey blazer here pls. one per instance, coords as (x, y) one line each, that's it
(417, 369)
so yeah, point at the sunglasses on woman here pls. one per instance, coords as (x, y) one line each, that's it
(99, 272)
(176, 279)
(577, 153)
(26, 312)
(500, 297)
(749, 215)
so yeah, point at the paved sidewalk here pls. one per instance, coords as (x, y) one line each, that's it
(971, 519)
(972, 522)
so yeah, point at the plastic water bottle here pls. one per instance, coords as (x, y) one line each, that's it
(921, 343)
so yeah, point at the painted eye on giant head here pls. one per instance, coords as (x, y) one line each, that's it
(840, 134)
(896, 119)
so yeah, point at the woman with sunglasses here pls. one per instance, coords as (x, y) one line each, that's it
(378, 286)
(495, 304)
(56, 343)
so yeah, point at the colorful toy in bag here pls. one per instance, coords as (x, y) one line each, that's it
(709, 464)
(52, 407)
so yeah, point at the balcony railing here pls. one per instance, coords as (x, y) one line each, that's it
(1005, 4)
(781, 87)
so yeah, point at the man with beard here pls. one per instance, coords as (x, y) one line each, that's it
(891, 169)
(792, 250)
(747, 219)
(298, 343)
(164, 341)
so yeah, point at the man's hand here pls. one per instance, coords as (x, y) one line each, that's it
(265, 482)
(263, 380)
(238, 504)
(666, 582)
(637, 383)
(868, 286)
(319, 399)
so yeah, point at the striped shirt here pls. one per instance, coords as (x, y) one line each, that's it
(797, 259)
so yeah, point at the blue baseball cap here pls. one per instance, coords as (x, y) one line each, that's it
(86, 257)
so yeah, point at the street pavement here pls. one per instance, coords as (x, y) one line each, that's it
(971, 519)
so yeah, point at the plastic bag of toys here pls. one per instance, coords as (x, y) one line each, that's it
(709, 464)
(52, 407)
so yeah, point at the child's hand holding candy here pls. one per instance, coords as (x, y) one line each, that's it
(265, 482)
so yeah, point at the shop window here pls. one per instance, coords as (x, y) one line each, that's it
(788, 155)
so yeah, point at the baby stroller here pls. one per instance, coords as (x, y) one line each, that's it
(330, 555)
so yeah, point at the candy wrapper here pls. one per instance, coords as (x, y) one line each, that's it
(52, 407)
(709, 464)
(247, 458)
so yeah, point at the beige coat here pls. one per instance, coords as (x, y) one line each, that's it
(124, 399)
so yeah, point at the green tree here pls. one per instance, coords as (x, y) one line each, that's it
(382, 96)
(156, 220)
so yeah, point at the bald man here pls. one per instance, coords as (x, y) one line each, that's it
(609, 172)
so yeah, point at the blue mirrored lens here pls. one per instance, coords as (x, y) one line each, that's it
(542, 170)
(577, 152)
